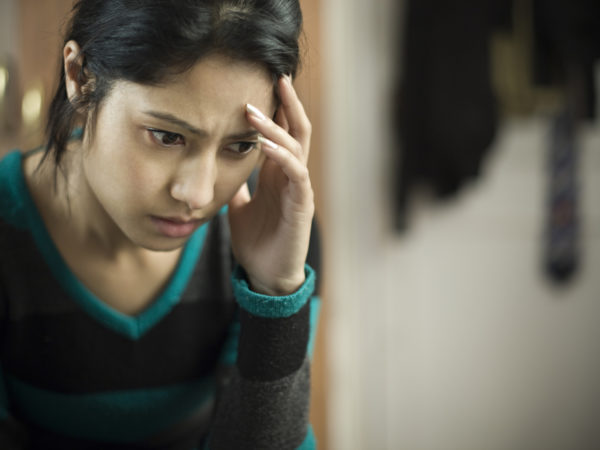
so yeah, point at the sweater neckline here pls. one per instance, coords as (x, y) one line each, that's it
(131, 326)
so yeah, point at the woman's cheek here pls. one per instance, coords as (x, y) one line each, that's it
(146, 176)
(233, 176)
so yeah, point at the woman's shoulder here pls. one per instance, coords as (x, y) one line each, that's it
(14, 195)
(9, 161)
(11, 181)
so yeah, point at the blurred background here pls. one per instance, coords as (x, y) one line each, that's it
(456, 162)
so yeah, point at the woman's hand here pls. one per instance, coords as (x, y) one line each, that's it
(270, 232)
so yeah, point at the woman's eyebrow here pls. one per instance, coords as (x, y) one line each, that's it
(197, 131)
(176, 121)
(245, 135)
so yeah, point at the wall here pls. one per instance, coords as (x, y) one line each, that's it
(449, 337)
(357, 43)
(9, 98)
(8, 25)
(33, 37)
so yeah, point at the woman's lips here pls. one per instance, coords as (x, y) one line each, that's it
(175, 227)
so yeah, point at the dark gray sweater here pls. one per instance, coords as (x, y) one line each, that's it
(209, 364)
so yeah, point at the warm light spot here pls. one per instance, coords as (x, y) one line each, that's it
(3, 81)
(31, 108)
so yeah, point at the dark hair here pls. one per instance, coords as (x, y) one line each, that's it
(149, 41)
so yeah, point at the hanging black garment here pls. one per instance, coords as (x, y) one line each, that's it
(446, 115)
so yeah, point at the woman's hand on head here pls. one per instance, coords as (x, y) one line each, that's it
(270, 232)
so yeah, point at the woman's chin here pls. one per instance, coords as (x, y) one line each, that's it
(164, 245)
(157, 243)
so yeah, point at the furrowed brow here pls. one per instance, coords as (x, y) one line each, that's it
(176, 121)
(250, 134)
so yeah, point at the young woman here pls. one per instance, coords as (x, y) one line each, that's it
(147, 299)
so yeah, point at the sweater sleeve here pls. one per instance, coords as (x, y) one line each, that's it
(265, 402)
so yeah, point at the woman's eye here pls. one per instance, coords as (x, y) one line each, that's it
(167, 139)
(241, 148)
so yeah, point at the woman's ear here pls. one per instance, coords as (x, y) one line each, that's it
(73, 66)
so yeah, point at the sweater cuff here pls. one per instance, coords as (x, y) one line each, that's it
(268, 306)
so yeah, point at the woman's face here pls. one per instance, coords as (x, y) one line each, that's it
(164, 160)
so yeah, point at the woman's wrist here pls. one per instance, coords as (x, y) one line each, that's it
(270, 304)
(278, 288)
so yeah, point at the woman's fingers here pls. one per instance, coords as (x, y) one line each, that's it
(291, 128)
(299, 124)
(286, 140)
(292, 167)
(281, 120)
(273, 132)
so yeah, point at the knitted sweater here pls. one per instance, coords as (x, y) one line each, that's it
(209, 364)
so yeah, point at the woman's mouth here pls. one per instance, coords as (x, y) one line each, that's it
(175, 227)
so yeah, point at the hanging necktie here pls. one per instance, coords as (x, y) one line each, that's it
(562, 236)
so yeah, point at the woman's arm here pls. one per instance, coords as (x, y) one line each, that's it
(264, 401)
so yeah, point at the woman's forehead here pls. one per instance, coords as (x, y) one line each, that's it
(215, 84)
(208, 101)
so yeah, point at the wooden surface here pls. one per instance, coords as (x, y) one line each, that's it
(308, 85)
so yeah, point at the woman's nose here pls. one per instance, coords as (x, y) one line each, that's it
(195, 182)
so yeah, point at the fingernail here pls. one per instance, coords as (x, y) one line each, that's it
(267, 143)
(253, 110)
